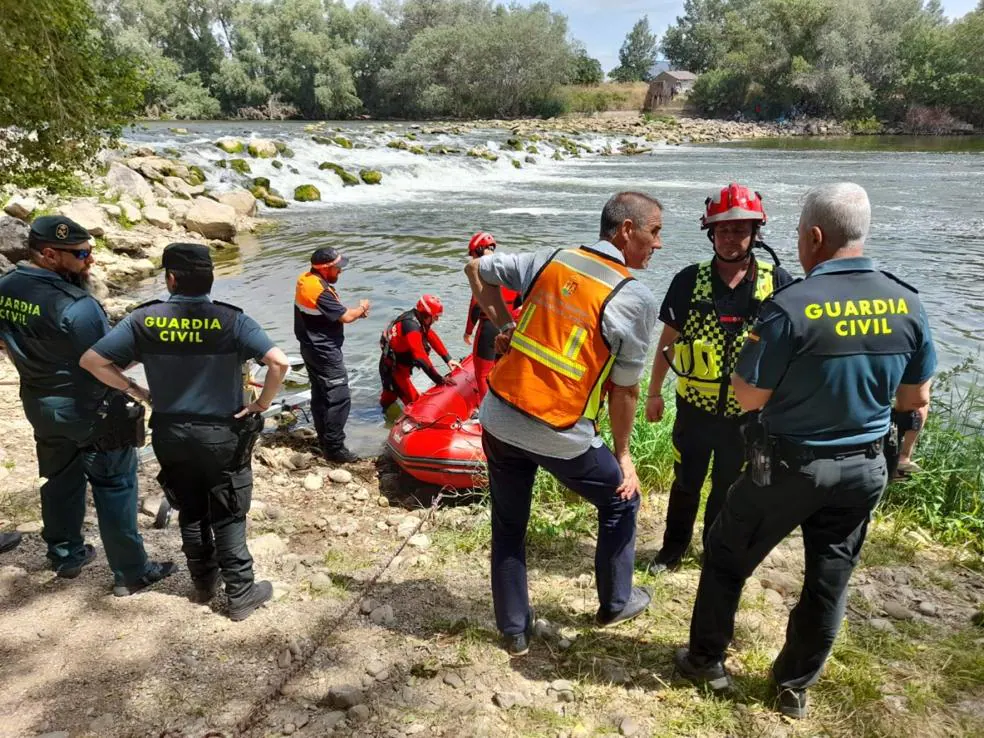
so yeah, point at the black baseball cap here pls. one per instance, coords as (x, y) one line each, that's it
(187, 257)
(57, 230)
(330, 257)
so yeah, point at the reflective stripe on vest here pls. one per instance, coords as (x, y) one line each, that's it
(558, 361)
(308, 290)
(706, 351)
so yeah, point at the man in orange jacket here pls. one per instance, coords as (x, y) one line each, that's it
(319, 326)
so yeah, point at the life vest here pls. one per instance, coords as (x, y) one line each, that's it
(308, 318)
(392, 341)
(706, 353)
(558, 364)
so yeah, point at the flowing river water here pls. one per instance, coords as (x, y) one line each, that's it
(408, 235)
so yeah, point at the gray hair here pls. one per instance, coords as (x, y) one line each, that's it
(634, 206)
(841, 211)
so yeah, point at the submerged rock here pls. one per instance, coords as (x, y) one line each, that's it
(240, 165)
(212, 219)
(274, 201)
(370, 176)
(347, 178)
(343, 142)
(307, 193)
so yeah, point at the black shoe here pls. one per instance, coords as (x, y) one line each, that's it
(9, 541)
(341, 456)
(71, 571)
(792, 702)
(244, 605)
(662, 564)
(638, 602)
(156, 571)
(207, 588)
(713, 676)
(519, 644)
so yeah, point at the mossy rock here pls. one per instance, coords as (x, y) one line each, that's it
(343, 142)
(557, 156)
(307, 193)
(173, 153)
(222, 164)
(240, 165)
(489, 156)
(535, 137)
(517, 164)
(370, 176)
(323, 140)
(515, 144)
(418, 150)
(348, 179)
(277, 164)
(260, 193)
(230, 146)
(273, 201)
(179, 131)
(530, 160)
(411, 137)
(196, 172)
(261, 182)
(261, 149)
(438, 149)
(398, 144)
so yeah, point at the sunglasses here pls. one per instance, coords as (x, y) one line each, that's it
(80, 254)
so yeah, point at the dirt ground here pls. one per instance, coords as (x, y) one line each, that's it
(353, 647)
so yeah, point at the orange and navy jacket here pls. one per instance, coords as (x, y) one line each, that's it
(476, 315)
(317, 313)
(406, 343)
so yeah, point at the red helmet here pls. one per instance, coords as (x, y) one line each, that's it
(430, 305)
(734, 202)
(479, 242)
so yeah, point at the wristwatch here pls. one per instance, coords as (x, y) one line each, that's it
(508, 326)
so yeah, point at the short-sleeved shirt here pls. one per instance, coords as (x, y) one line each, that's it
(829, 400)
(627, 325)
(197, 384)
(47, 324)
(323, 333)
(728, 302)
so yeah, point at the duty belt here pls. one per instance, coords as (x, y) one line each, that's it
(797, 454)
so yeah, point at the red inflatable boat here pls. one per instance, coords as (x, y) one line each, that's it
(437, 440)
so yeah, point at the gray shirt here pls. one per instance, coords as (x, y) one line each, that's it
(627, 324)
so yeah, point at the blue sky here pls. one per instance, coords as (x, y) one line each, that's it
(602, 24)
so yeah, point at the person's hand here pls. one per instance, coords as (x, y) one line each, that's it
(502, 341)
(364, 304)
(253, 407)
(447, 381)
(468, 339)
(139, 393)
(454, 364)
(655, 407)
(629, 487)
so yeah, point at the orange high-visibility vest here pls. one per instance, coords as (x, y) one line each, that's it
(558, 361)
(308, 290)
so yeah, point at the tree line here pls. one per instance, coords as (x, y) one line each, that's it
(848, 59)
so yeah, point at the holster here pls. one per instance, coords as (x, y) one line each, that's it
(121, 423)
(759, 451)
(169, 494)
(248, 431)
(892, 447)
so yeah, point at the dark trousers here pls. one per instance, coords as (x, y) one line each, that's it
(595, 475)
(832, 501)
(62, 432)
(330, 397)
(212, 496)
(696, 436)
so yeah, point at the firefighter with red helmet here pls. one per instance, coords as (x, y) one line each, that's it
(406, 344)
(706, 314)
(480, 325)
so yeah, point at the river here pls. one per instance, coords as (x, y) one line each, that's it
(409, 234)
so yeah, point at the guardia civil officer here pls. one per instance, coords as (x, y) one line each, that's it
(828, 358)
(48, 320)
(319, 326)
(193, 349)
(582, 334)
(706, 314)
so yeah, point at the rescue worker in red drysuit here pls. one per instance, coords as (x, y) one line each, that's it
(479, 324)
(406, 344)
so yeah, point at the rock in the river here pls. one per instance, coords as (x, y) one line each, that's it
(370, 176)
(230, 145)
(347, 178)
(241, 200)
(307, 193)
(21, 207)
(212, 219)
(128, 182)
(239, 165)
(274, 201)
(262, 148)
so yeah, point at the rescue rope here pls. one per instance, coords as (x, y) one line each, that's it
(324, 628)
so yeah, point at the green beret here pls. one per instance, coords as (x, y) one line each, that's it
(187, 257)
(58, 230)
